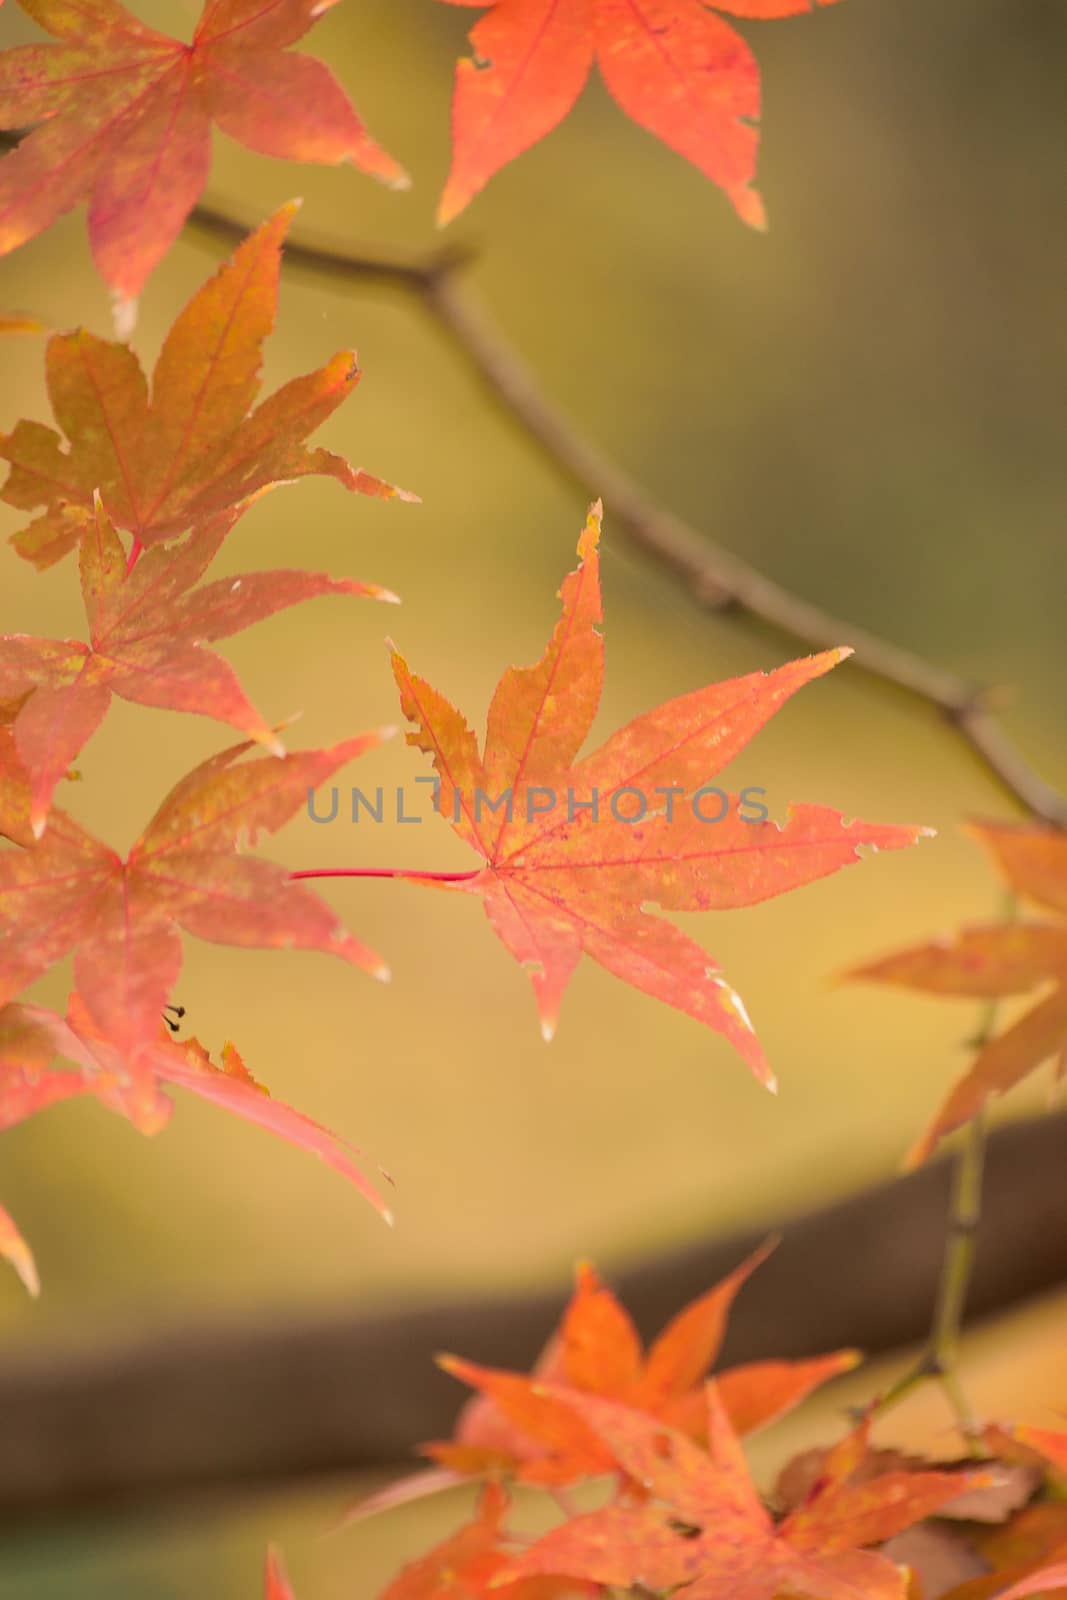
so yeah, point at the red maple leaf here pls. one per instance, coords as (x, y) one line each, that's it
(575, 851)
(196, 448)
(993, 962)
(125, 118)
(121, 915)
(514, 1425)
(672, 65)
(134, 1085)
(701, 1529)
(146, 629)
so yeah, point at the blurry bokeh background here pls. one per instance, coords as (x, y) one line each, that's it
(867, 403)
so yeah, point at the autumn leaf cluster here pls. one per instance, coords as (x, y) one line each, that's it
(120, 115)
(679, 1513)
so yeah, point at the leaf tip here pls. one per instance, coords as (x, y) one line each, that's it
(748, 203)
(17, 323)
(449, 207)
(123, 315)
(26, 1269)
(919, 1152)
(15, 1249)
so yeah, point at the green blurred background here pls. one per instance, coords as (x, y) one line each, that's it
(867, 403)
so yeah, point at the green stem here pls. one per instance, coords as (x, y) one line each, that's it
(964, 1216)
(940, 1357)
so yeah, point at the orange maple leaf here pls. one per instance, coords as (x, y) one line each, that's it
(1048, 1443)
(133, 1085)
(702, 1530)
(68, 892)
(571, 861)
(514, 1425)
(468, 1565)
(125, 118)
(672, 65)
(196, 449)
(1019, 1549)
(992, 962)
(1038, 1583)
(147, 628)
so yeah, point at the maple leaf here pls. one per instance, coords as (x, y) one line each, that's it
(672, 65)
(1048, 1442)
(195, 449)
(703, 1531)
(14, 1249)
(120, 915)
(1008, 1487)
(133, 1085)
(993, 962)
(125, 118)
(563, 878)
(146, 629)
(514, 1425)
(1032, 1546)
(468, 1565)
(1052, 1577)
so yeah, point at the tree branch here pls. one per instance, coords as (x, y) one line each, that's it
(267, 1400)
(716, 579)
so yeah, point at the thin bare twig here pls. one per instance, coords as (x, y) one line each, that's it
(715, 578)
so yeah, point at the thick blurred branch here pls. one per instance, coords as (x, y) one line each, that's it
(239, 1405)
(715, 578)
